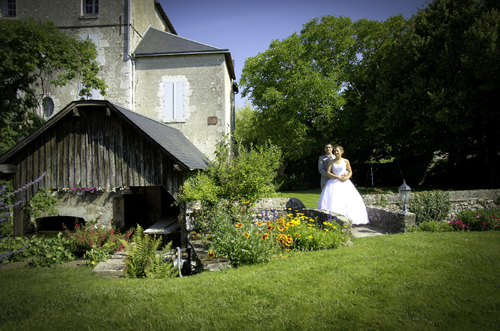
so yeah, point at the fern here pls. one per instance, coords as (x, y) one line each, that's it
(159, 268)
(142, 258)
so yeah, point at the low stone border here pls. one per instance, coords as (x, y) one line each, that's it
(208, 264)
(460, 200)
(389, 220)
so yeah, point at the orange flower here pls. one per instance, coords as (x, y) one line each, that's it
(265, 236)
(246, 234)
(280, 228)
(268, 222)
(239, 225)
(297, 234)
(211, 254)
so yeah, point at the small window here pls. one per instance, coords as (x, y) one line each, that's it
(91, 7)
(7, 8)
(47, 107)
(174, 101)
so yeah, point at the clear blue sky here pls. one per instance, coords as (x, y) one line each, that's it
(247, 28)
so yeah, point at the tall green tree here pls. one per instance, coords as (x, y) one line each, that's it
(435, 86)
(32, 53)
(297, 85)
(245, 125)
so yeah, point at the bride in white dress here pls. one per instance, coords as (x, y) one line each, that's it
(340, 195)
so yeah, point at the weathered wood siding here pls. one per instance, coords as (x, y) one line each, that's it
(94, 150)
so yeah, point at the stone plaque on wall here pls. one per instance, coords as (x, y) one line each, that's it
(212, 120)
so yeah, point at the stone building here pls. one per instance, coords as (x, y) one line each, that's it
(148, 68)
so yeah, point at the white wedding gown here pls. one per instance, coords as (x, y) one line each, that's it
(343, 198)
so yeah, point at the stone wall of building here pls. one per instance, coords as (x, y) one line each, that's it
(121, 209)
(206, 94)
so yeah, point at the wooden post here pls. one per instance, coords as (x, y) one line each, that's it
(9, 171)
(18, 224)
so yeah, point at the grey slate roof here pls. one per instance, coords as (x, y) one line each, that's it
(160, 43)
(171, 140)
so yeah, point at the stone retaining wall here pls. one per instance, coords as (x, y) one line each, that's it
(460, 200)
(389, 220)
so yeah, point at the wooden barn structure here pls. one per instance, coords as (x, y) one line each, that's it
(97, 143)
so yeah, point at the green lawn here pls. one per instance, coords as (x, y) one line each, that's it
(310, 197)
(415, 281)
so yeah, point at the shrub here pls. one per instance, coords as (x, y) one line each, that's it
(143, 260)
(91, 237)
(237, 173)
(13, 250)
(430, 206)
(200, 186)
(292, 182)
(244, 240)
(45, 252)
(435, 226)
(479, 220)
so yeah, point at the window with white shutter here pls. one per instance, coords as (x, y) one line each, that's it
(174, 101)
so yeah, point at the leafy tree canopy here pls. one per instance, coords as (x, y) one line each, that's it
(435, 86)
(297, 84)
(32, 53)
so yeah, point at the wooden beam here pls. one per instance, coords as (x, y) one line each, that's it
(8, 169)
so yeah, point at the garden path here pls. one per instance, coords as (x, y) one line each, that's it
(359, 231)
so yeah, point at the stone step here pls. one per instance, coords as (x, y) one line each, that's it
(114, 267)
(207, 263)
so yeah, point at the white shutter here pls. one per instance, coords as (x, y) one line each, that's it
(174, 101)
(168, 108)
(179, 100)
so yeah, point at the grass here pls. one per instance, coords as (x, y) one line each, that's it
(415, 281)
(310, 197)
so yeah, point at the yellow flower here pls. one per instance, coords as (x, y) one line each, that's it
(265, 236)
(310, 237)
(246, 234)
(326, 230)
(211, 254)
(334, 227)
(239, 225)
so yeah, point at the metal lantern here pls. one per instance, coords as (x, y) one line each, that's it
(404, 195)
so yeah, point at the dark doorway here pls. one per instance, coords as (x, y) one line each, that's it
(55, 223)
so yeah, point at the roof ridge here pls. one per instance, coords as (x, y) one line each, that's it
(191, 40)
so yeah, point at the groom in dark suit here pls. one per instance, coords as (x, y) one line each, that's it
(323, 164)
